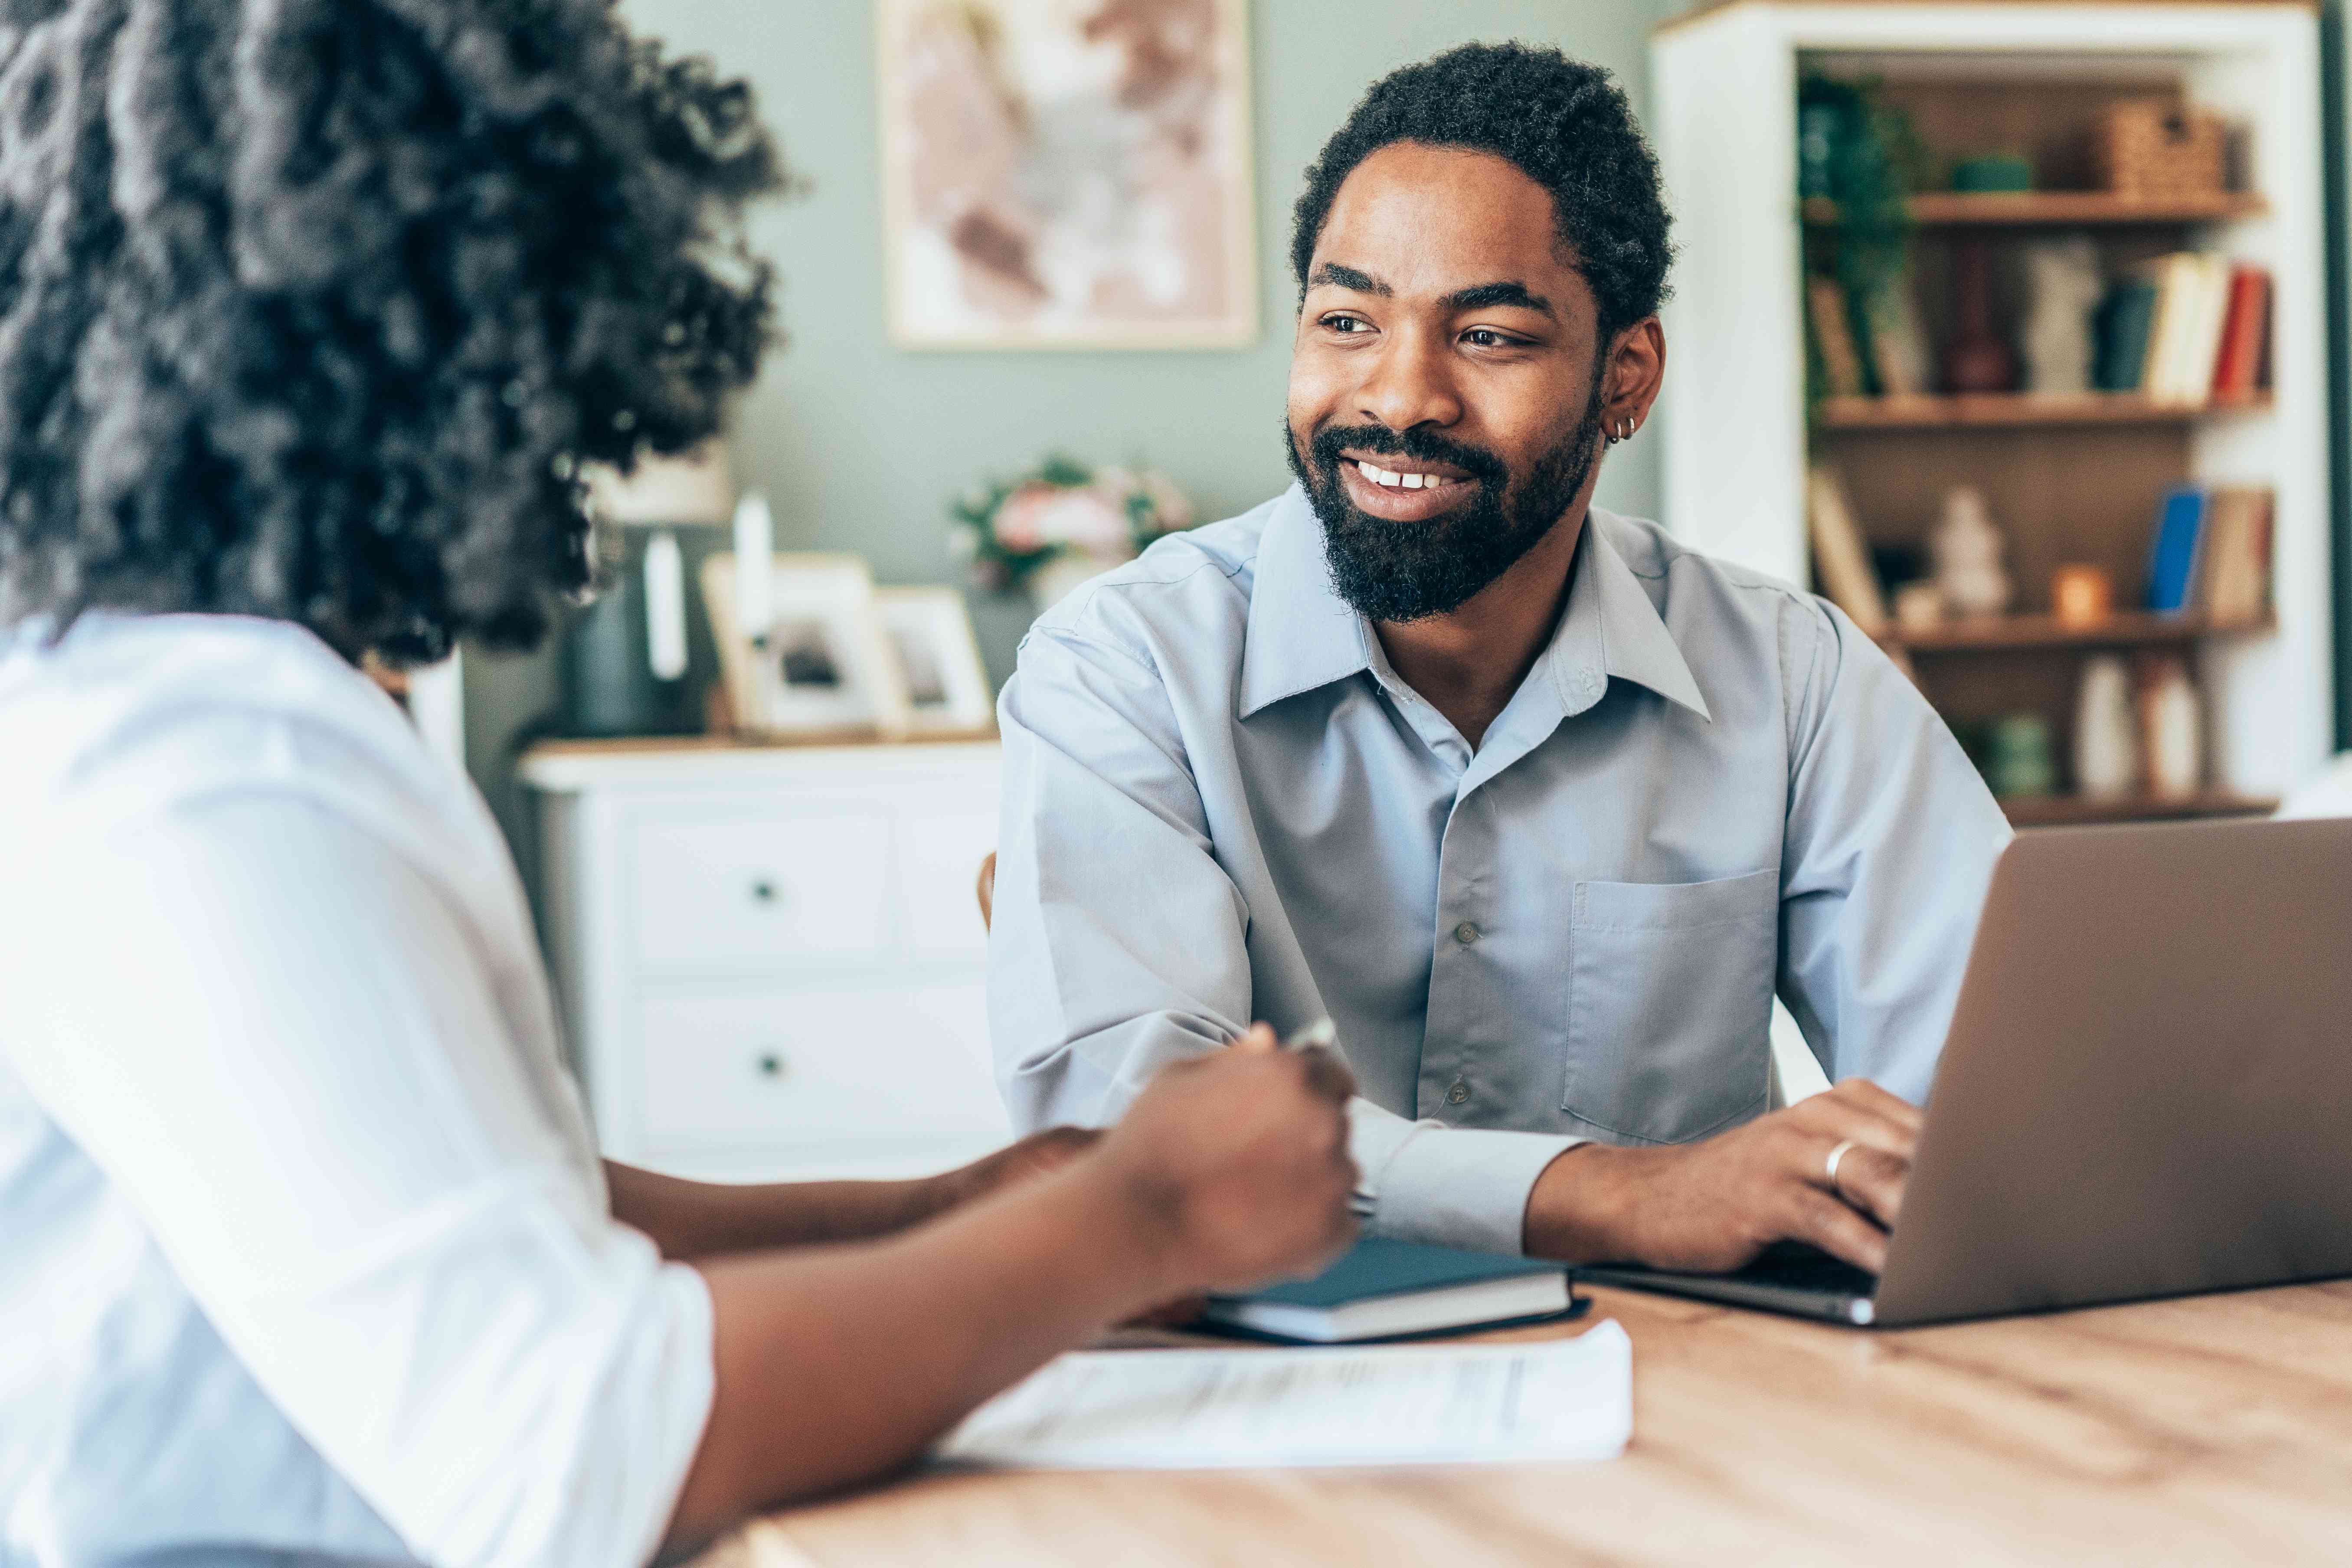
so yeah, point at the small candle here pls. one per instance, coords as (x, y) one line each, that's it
(755, 545)
(2081, 595)
(665, 607)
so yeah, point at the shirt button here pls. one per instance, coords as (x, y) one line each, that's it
(1466, 933)
(1457, 1094)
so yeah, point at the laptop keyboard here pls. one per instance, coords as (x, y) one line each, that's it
(1795, 1267)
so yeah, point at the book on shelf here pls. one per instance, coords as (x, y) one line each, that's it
(1899, 361)
(2212, 553)
(2245, 335)
(2234, 579)
(1839, 556)
(2126, 321)
(1833, 337)
(2172, 561)
(2185, 328)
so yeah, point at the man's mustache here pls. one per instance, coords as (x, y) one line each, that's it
(1330, 441)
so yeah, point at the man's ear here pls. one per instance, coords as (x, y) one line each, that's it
(1632, 374)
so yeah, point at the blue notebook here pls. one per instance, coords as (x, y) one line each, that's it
(1380, 1289)
(2172, 565)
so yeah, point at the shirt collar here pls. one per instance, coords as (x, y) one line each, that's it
(1302, 635)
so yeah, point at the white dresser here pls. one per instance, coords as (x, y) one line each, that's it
(770, 959)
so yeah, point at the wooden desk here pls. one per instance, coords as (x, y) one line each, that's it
(2212, 1429)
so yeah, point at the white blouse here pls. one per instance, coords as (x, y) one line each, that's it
(307, 1247)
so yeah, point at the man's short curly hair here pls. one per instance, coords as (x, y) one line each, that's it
(1564, 123)
(311, 309)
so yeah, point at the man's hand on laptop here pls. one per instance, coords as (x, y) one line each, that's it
(1712, 1207)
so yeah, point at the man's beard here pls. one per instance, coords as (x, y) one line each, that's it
(1392, 571)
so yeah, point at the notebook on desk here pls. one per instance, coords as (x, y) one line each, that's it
(1389, 1290)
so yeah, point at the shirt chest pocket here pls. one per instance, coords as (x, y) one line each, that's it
(1669, 1005)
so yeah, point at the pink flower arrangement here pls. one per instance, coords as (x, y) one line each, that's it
(1064, 511)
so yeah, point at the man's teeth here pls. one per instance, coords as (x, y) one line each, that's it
(1380, 476)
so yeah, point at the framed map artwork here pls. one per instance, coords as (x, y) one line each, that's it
(1068, 174)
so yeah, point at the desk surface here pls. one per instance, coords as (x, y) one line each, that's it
(2210, 1430)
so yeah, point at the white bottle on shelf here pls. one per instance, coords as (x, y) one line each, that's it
(2106, 732)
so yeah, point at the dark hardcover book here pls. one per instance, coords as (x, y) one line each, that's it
(2125, 321)
(2172, 564)
(1381, 1288)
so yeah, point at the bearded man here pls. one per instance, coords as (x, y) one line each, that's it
(1539, 806)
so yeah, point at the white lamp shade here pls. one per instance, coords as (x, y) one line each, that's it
(695, 487)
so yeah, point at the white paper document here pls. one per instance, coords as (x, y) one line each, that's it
(1404, 1405)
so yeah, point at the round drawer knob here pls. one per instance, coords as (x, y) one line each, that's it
(763, 891)
(771, 1064)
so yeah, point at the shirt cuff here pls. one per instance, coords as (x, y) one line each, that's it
(1454, 1186)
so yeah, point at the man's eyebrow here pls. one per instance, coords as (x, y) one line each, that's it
(1485, 296)
(1331, 272)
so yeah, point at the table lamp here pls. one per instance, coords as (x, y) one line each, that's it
(629, 658)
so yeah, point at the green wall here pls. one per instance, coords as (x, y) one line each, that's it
(860, 445)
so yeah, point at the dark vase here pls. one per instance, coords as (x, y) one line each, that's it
(1977, 359)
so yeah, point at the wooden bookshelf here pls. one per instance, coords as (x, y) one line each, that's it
(2056, 209)
(2075, 810)
(2017, 410)
(2068, 479)
(2126, 629)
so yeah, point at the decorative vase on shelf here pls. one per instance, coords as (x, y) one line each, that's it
(1967, 547)
(2171, 729)
(2106, 730)
(2063, 288)
(1977, 359)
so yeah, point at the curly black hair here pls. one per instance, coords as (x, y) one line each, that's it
(1564, 123)
(312, 308)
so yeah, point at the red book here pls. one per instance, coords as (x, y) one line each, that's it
(2245, 328)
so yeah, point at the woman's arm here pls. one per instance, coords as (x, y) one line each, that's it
(706, 1219)
(843, 1362)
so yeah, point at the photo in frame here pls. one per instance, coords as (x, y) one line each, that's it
(939, 668)
(1068, 174)
(819, 664)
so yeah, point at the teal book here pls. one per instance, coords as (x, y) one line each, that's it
(2125, 321)
(2172, 564)
(1382, 1289)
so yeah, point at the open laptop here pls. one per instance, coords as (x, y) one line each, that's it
(2147, 1089)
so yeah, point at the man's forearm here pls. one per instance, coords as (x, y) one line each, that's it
(709, 1219)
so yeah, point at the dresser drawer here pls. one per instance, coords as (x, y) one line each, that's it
(791, 1067)
(761, 890)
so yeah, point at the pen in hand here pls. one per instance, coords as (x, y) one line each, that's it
(1323, 1032)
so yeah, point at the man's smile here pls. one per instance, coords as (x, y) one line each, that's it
(1403, 490)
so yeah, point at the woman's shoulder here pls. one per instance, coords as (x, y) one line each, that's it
(131, 718)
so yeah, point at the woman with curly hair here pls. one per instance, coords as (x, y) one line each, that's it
(310, 312)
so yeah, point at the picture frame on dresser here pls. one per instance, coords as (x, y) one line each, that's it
(930, 634)
(818, 664)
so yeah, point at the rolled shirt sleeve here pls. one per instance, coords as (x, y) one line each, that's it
(1119, 943)
(286, 1046)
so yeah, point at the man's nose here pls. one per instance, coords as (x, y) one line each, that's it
(1408, 383)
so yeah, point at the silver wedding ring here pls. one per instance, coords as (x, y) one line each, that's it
(1830, 1164)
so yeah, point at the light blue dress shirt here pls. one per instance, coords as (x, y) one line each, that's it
(1221, 804)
